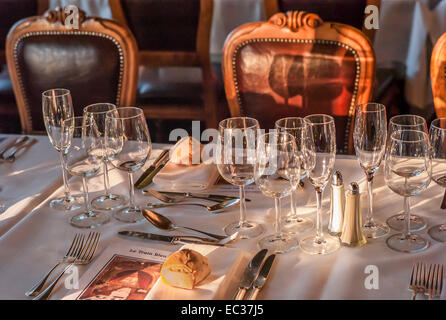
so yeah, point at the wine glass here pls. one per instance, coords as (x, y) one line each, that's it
(128, 145)
(295, 126)
(57, 106)
(407, 172)
(321, 143)
(80, 141)
(235, 158)
(369, 136)
(108, 201)
(437, 135)
(406, 122)
(276, 173)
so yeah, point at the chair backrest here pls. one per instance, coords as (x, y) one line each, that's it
(438, 76)
(351, 12)
(97, 63)
(168, 32)
(12, 11)
(296, 65)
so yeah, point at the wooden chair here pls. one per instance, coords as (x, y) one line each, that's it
(349, 12)
(97, 63)
(438, 76)
(295, 65)
(173, 33)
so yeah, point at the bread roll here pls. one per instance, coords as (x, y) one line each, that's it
(186, 151)
(185, 269)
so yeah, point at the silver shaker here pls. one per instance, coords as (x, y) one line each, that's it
(352, 235)
(337, 205)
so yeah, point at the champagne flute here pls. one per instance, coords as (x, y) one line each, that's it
(406, 122)
(322, 143)
(276, 173)
(108, 201)
(407, 172)
(437, 135)
(128, 145)
(235, 158)
(369, 136)
(295, 126)
(80, 140)
(57, 106)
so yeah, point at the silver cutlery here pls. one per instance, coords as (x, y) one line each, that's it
(163, 223)
(85, 256)
(418, 279)
(69, 257)
(434, 283)
(148, 175)
(250, 274)
(174, 197)
(215, 208)
(263, 276)
(19, 141)
(178, 239)
(10, 156)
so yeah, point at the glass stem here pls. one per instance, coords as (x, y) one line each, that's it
(64, 175)
(278, 218)
(369, 219)
(242, 206)
(319, 233)
(86, 198)
(106, 179)
(407, 212)
(131, 192)
(293, 203)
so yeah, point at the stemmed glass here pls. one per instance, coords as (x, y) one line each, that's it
(437, 135)
(108, 201)
(235, 158)
(406, 122)
(57, 106)
(128, 145)
(276, 171)
(80, 142)
(369, 136)
(321, 153)
(294, 223)
(407, 172)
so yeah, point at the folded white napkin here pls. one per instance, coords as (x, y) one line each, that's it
(186, 178)
(226, 270)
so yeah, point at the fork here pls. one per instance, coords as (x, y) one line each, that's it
(434, 283)
(69, 257)
(418, 279)
(85, 256)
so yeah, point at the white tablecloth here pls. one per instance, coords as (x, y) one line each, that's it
(31, 247)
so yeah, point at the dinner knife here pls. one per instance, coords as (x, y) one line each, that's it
(148, 175)
(171, 239)
(263, 275)
(250, 274)
(201, 195)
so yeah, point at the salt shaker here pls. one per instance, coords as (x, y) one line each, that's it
(352, 234)
(337, 205)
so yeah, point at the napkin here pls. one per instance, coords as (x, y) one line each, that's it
(181, 177)
(226, 270)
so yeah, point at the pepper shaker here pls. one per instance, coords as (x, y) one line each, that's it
(352, 234)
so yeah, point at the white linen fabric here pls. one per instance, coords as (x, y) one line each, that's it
(43, 235)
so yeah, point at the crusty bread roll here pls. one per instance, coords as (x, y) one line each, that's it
(185, 269)
(187, 151)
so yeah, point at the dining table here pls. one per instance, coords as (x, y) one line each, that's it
(34, 236)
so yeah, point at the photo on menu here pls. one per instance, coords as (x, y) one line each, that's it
(123, 278)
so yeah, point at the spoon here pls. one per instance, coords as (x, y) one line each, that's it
(214, 208)
(163, 223)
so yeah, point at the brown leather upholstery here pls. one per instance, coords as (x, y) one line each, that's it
(97, 63)
(349, 12)
(277, 80)
(296, 65)
(167, 25)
